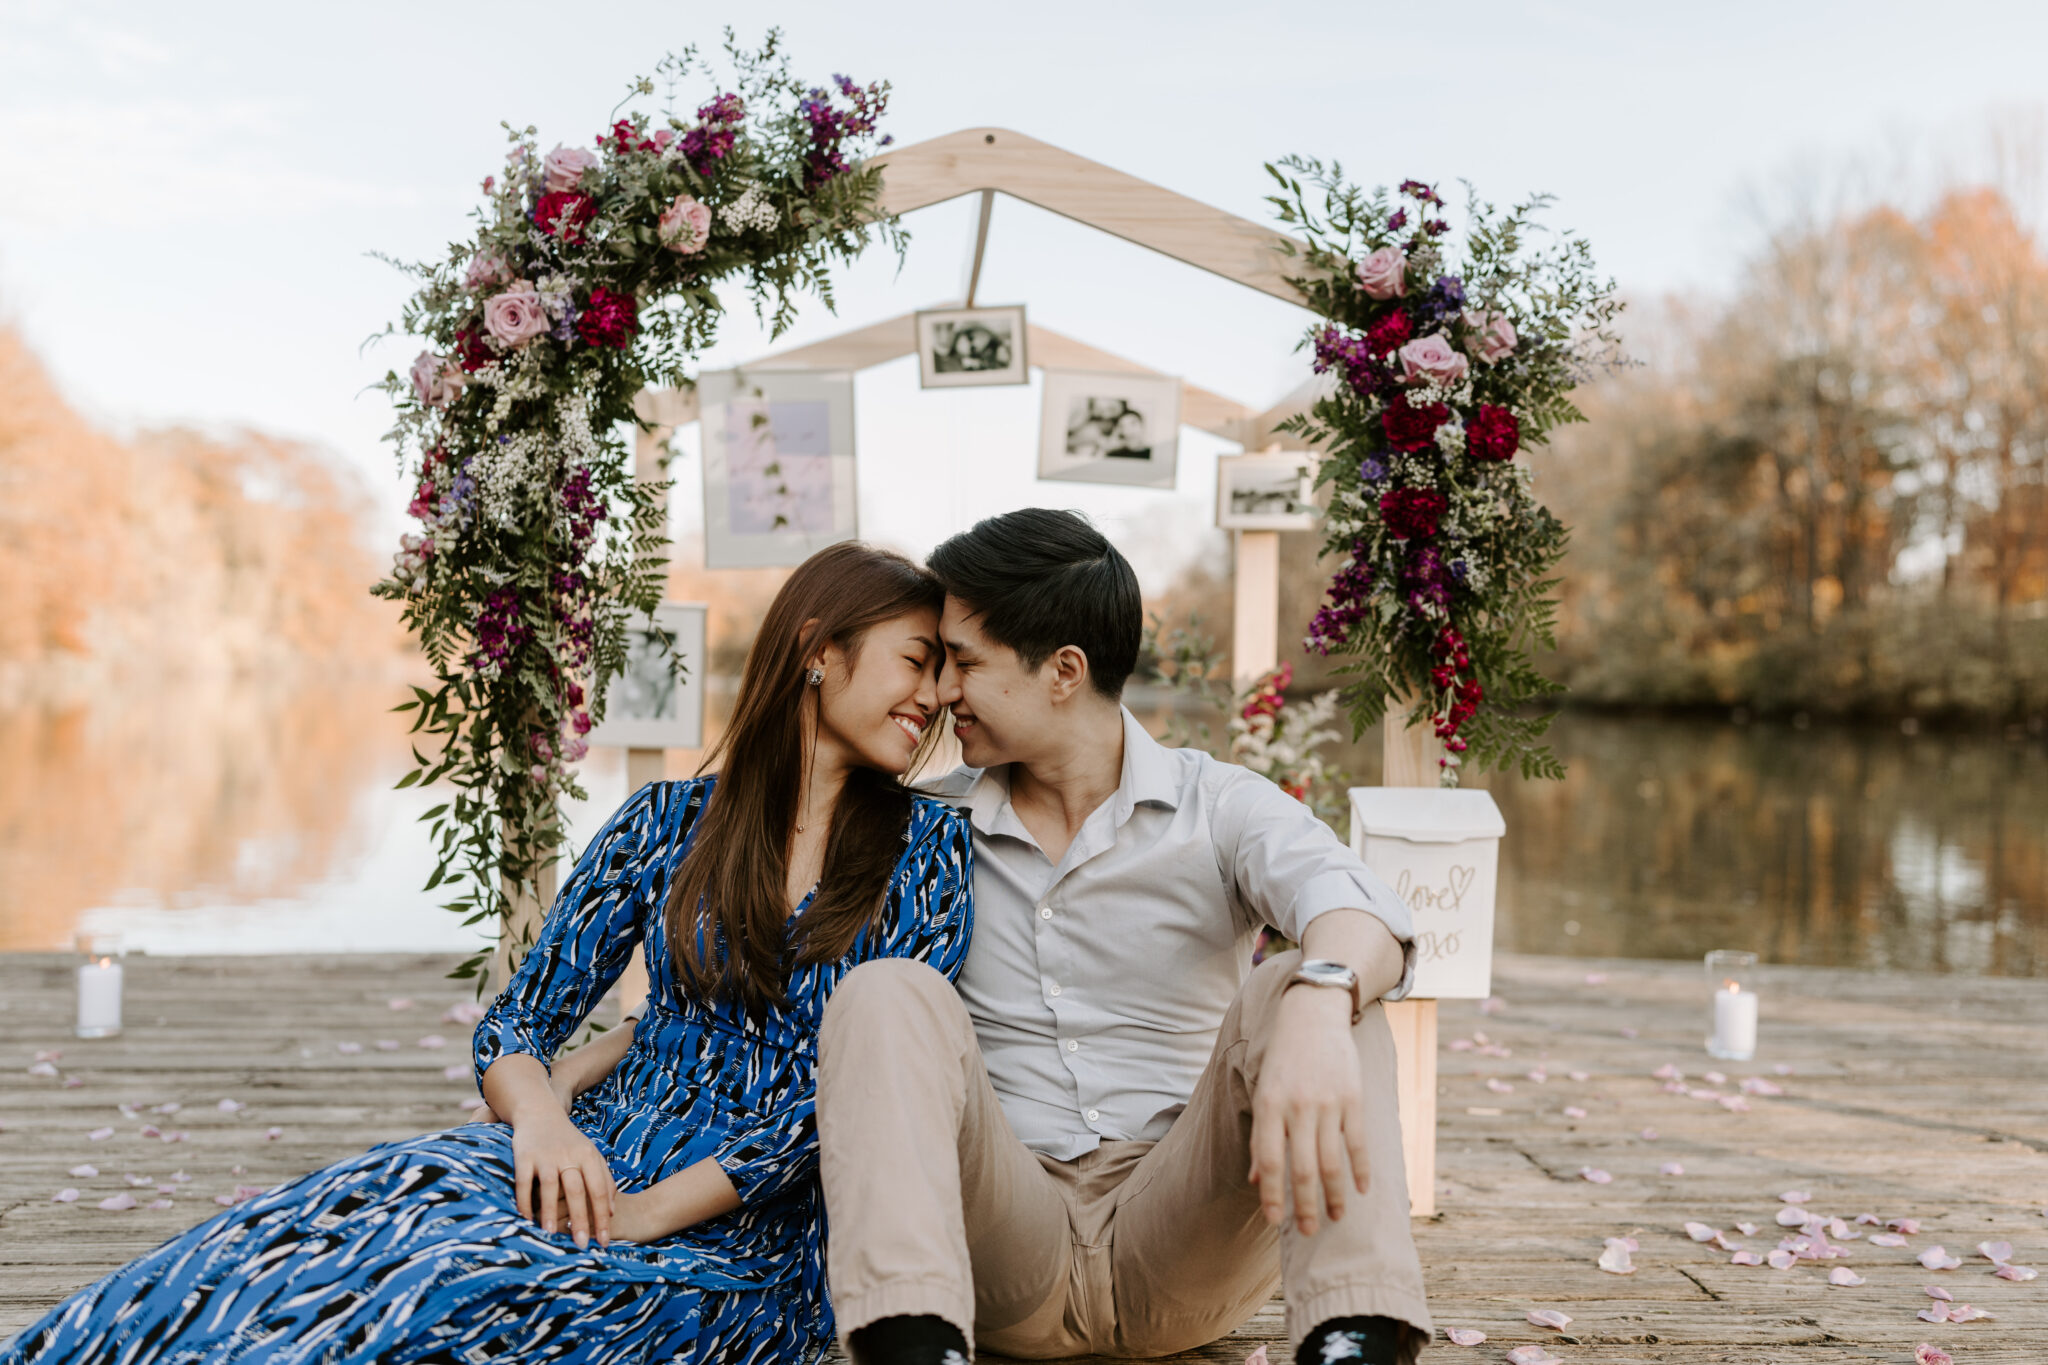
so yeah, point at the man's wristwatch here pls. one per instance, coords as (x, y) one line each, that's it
(1321, 972)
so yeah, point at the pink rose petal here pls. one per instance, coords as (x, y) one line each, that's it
(1734, 1104)
(99, 1135)
(1671, 1168)
(1700, 1232)
(432, 1041)
(1713, 1078)
(1963, 1312)
(1843, 1276)
(1627, 1032)
(179, 1177)
(272, 1134)
(150, 1130)
(1580, 1075)
(226, 1201)
(467, 1012)
(1886, 1239)
(1757, 1085)
(459, 1072)
(1841, 1231)
(1938, 1313)
(136, 1182)
(1781, 1259)
(55, 1054)
(348, 1049)
(2018, 1273)
(1926, 1354)
(1935, 1291)
(1595, 1175)
(1462, 1045)
(1532, 1355)
(85, 1172)
(472, 1102)
(1539, 1076)
(231, 1106)
(119, 1203)
(1549, 1317)
(1745, 1258)
(167, 1109)
(387, 1045)
(1492, 1004)
(1596, 978)
(43, 1069)
(178, 1136)
(1792, 1216)
(1746, 1229)
(1465, 1336)
(1998, 1253)
(1572, 1111)
(401, 1004)
(1909, 1227)
(1648, 1135)
(64, 1197)
(1668, 1072)
(1499, 1086)
(1869, 1220)
(1257, 1357)
(72, 1083)
(1795, 1197)
(1936, 1257)
(1615, 1259)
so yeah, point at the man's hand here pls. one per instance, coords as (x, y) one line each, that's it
(1308, 1117)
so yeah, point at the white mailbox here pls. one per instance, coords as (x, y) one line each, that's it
(1439, 847)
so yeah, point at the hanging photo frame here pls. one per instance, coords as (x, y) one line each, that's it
(1270, 491)
(778, 465)
(960, 348)
(1110, 428)
(648, 706)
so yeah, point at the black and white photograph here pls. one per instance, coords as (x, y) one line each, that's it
(1110, 428)
(961, 348)
(652, 704)
(1270, 491)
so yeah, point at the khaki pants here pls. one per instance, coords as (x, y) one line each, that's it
(1137, 1248)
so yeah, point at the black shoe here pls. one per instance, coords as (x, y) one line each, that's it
(1353, 1341)
(909, 1341)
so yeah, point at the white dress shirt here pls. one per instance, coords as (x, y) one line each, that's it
(1097, 984)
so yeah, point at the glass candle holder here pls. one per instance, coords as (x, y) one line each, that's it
(1735, 1005)
(99, 985)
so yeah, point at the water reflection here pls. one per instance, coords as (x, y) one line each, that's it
(243, 819)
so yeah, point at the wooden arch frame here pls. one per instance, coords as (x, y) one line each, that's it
(990, 160)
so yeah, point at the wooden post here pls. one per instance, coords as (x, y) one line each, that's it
(1255, 633)
(522, 925)
(1409, 759)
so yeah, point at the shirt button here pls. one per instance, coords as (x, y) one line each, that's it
(1054, 991)
(1073, 1046)
(1094, 1114)
(1045, 912)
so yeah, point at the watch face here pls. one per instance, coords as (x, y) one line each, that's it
(1331, 972)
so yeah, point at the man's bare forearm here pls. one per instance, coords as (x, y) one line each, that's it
(1361, 941)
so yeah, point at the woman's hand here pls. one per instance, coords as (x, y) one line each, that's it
(636, 1218)
(560, 1176)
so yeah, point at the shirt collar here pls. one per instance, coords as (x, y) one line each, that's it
(1147, 779)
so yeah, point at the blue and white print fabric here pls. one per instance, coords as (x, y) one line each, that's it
(414, 1253)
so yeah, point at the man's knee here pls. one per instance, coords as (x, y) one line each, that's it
(882, 999)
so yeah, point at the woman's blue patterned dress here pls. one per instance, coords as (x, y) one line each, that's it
(414, 1253)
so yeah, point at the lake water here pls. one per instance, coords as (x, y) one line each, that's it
(229, 821)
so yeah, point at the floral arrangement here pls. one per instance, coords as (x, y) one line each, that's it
(590, 276)
(1444, 372)
(1284, 742)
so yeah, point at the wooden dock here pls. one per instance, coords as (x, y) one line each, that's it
(1906, 1097)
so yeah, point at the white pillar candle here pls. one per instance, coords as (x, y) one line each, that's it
(99, 998)
(1734, 1037)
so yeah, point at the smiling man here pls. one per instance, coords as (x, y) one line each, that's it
(1115, 1136)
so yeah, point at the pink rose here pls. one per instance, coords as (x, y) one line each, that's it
(662, 137)
(1384, 274)
(487, 270)
(565, 166)
(516, 316)
(435, 382)
(685, 226)
(1432, 358)
(1493, 336)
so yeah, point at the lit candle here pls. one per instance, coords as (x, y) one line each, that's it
(1734, 1037)
(99, 998)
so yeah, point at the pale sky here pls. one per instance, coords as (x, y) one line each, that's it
(191, 190)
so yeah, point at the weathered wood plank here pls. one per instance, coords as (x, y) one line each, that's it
(1907, 1096)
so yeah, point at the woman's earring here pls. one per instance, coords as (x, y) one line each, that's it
(815, 676)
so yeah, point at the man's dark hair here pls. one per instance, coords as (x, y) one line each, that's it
(1040, 580)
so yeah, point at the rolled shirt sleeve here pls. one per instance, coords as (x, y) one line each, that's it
(1286, 867)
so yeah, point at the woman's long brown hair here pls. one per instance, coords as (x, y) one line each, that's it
(727, 916)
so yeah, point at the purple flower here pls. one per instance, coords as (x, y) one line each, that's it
(1371, 469)
(1451, 290)
(1348, 594)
